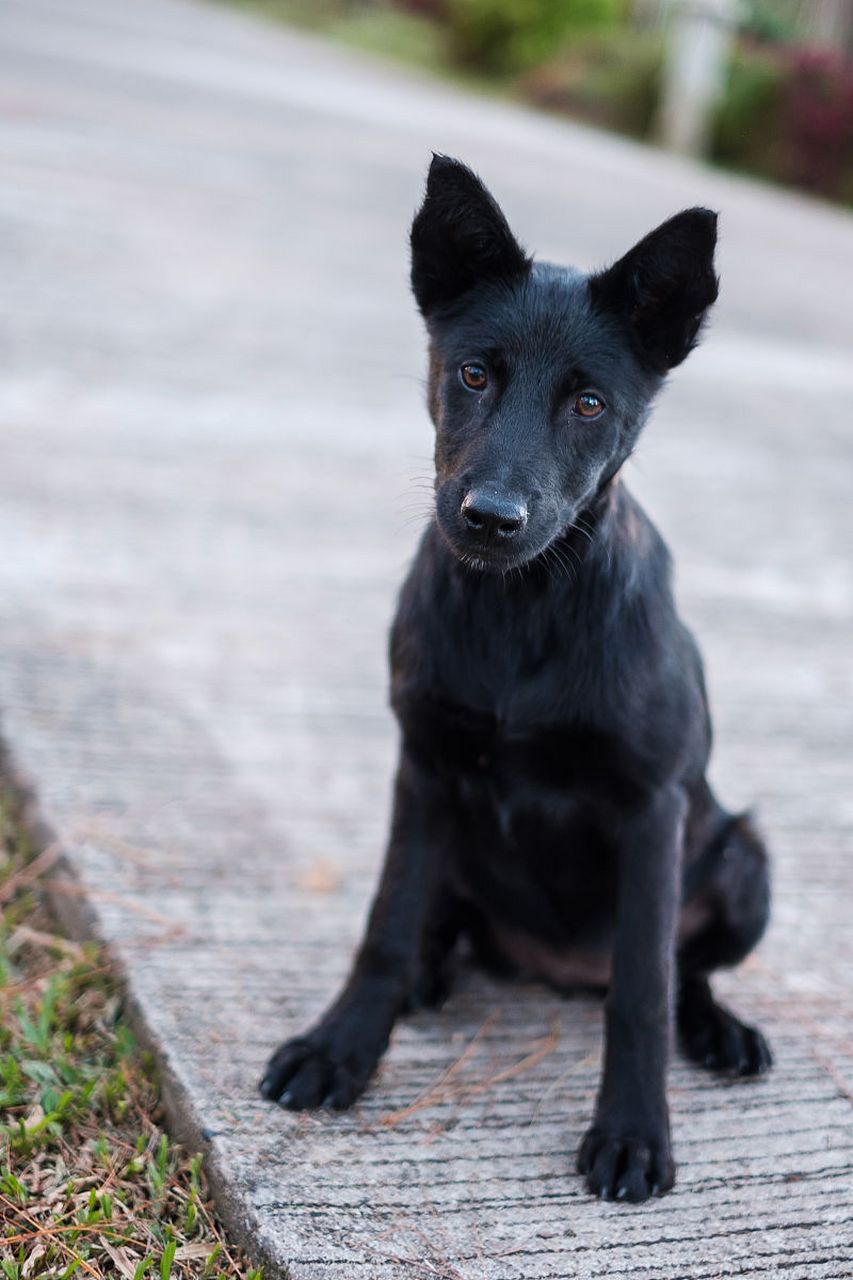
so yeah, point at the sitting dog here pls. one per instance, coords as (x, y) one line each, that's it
(551, 801)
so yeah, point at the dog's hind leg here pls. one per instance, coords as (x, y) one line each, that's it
(434, 966)
(735, 901)
(452, 919)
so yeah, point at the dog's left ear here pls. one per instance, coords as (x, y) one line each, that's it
(459, 237)
(664, 286)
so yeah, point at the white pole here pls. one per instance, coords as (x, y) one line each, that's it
(699, 40)
(833, 21)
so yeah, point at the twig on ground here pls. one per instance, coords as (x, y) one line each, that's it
(448, 1089)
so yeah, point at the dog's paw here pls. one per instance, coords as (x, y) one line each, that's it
(315, 1071)
(720, 1042)
(617, 1166)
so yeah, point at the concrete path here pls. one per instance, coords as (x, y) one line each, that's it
(211, 417)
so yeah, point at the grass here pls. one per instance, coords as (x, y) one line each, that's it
(90, 1182)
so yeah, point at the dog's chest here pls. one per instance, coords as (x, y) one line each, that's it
(502, 670)
(505, 696)
(512, 763)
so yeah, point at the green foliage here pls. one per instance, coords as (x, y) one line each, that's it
(774, 21)
(747, 127)
(168, 1259)
(788, 115)
(506, 36)
(611, 80)
(393, 33)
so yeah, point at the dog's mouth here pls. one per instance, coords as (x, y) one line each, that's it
(495, 560)
(560, 551)
(480, 564)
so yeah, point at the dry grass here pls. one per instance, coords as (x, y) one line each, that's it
(451, 1087)
(89, 1181)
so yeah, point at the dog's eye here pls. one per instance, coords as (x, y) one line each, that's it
(474, 376)
(588, 405)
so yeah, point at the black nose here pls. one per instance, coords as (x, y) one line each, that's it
(492, 514)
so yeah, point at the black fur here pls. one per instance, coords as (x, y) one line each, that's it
(551, 802)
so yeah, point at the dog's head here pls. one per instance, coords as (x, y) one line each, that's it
(541, 377)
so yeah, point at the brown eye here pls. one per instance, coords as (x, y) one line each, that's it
(474, 376)
(588, 405)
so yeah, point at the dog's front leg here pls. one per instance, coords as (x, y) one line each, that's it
(332, 1063)
(626, 1154)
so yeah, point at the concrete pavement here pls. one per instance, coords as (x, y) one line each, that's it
(212, 433)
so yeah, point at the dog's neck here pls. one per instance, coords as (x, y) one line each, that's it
(590, 525)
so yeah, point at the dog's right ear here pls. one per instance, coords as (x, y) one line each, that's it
(459, 237)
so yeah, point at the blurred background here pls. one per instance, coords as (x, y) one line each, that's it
(760, 86)
(215, 463)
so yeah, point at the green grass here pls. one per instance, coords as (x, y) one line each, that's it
(90, 1182)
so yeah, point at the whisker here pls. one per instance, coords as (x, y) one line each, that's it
(559, 554)
(414, 503)
(552, 564)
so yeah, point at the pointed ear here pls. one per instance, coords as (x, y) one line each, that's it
(664, 286)
(459, 237)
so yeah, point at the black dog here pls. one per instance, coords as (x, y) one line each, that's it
(551, 801)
